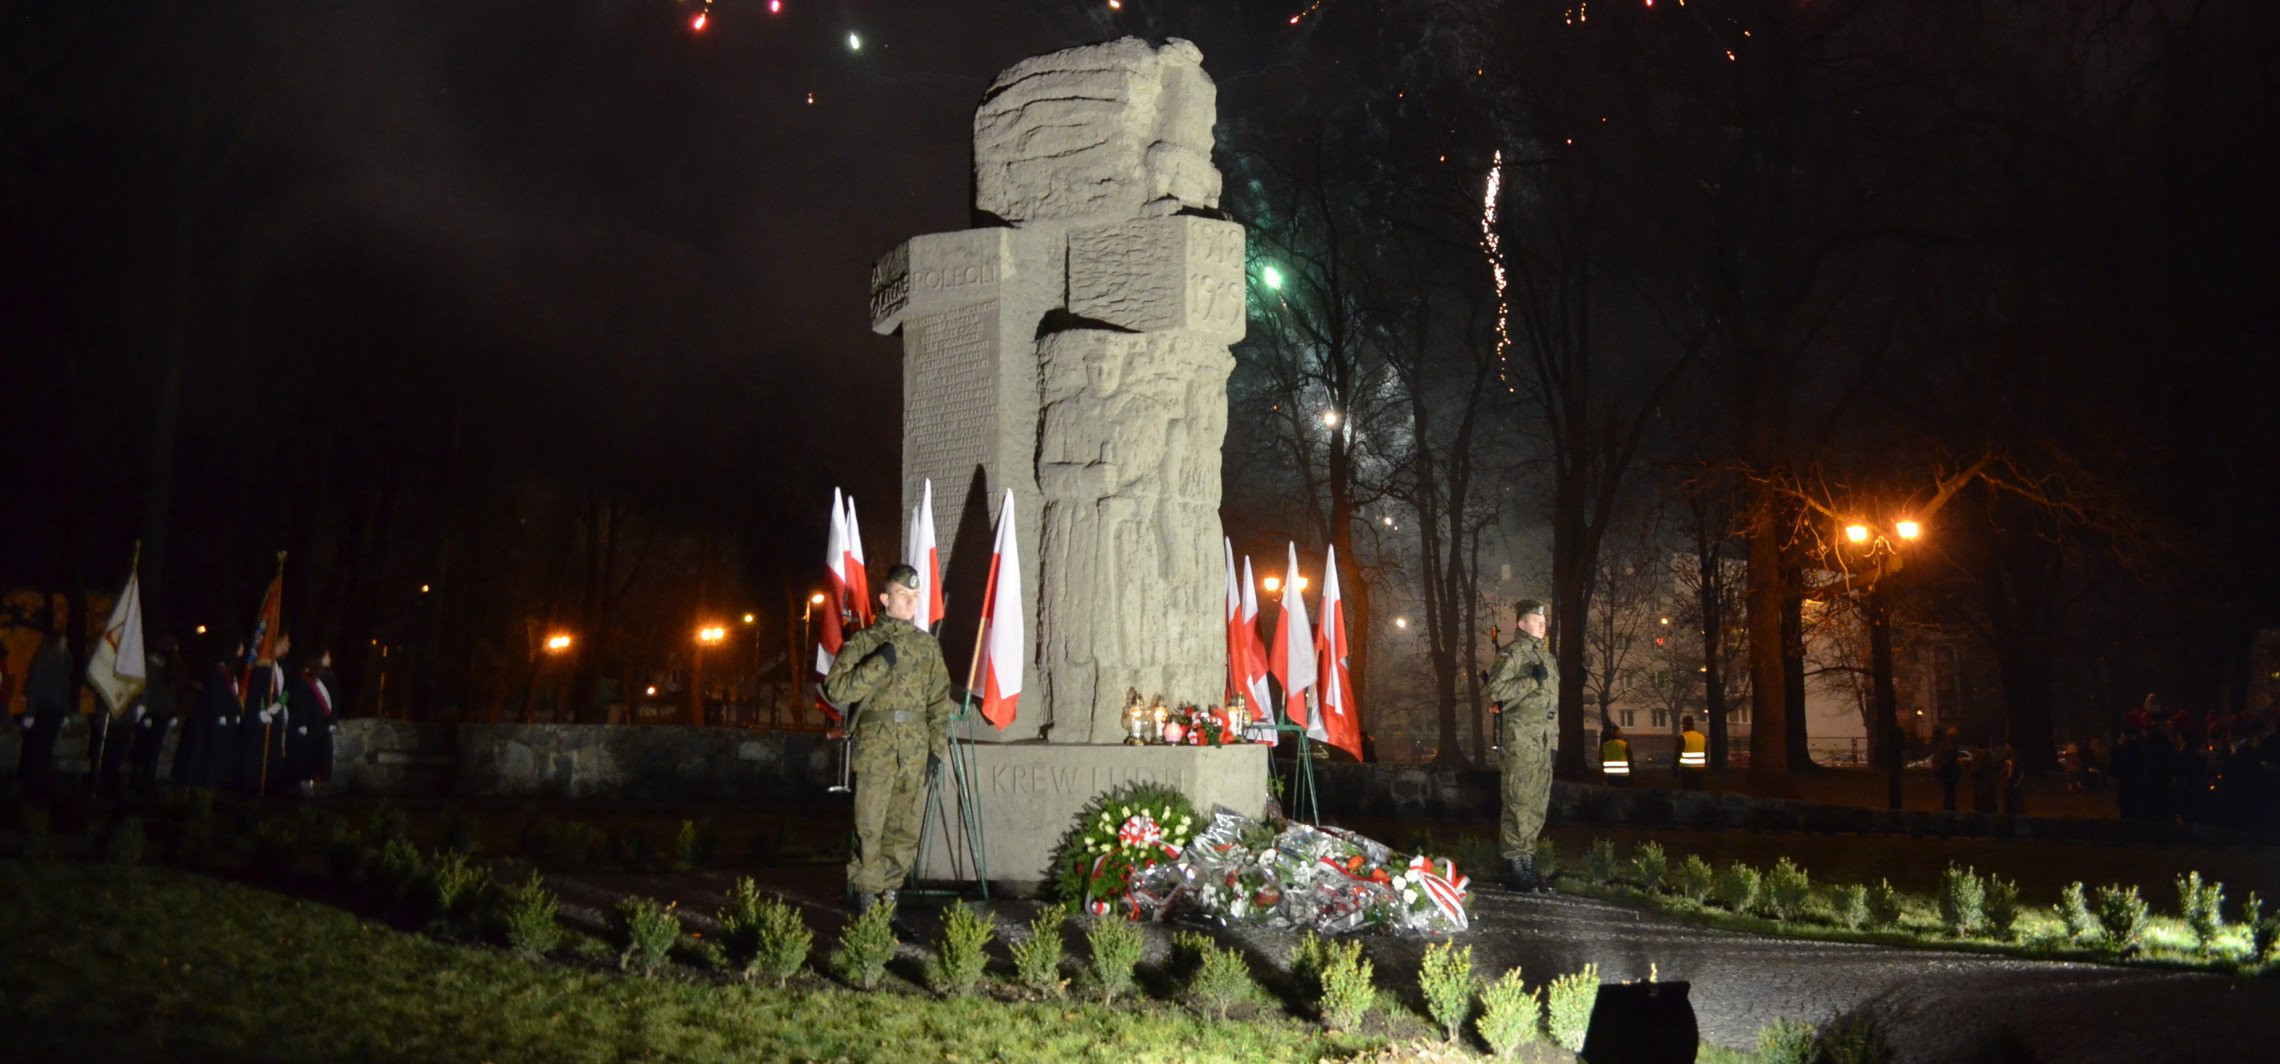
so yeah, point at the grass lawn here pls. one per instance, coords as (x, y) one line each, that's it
(145, 963)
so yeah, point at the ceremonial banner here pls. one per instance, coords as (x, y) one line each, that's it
(1293, 656)
(1340, 722)
(117, 670)
(1005, 632)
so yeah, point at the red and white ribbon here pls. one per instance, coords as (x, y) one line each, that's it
(1444, 886)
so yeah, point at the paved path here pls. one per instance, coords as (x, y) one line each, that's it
(1937, 1006)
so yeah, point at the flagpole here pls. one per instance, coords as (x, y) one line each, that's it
(261, 787)
(110, 716)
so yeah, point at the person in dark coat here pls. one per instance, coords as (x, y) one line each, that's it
(310, 716)
(261, 762)
(208, 753)
(154, 715)
(47, 701)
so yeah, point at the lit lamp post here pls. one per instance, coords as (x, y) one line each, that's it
(1883, 556)
(799, 667)
(708, 637)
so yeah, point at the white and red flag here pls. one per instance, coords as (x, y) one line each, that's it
(829, 636)
(116, 669)
(1254, 651)
(1292, 659)
(1005, 634)
(1238, 648)
(920, 553)
(1340, 722)
(858, 581)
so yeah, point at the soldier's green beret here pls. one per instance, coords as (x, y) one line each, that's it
(904, 575)
(1524, 607)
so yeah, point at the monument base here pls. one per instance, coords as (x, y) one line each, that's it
(1028, 795)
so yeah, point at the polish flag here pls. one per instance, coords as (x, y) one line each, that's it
(922, 555)
(1340, 722)
(858, 581)
(1292, 659)
(835, 589)
(1005, 635)
(1254, 652)
(1238, 648)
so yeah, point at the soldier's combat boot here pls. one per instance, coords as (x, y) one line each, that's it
(1520, 876)
(863, 902)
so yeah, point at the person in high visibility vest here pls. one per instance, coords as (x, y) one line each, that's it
(1693, 754)
(1615, 757)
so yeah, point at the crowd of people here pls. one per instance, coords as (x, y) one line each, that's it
(2197, 768)
(259, 723)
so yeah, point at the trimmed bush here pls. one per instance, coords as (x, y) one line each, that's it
(1855, 1039)
(453, 885)
(1963, 901)
(2263, 931)
(2074, 912)
(528, 915)
(762, 936)
(1115, 944)
(1883, 905)
(1222, 981)
(685, 847)
(124, 845)
(651, 932)
(1787, 1041)
(1651, 865)
(1852, 906)
(1738, 886)
(866, 944)
(2121, 919)
(962, 953)
(1306, 960)
(2202, 904)
(1568, 1005)
(1600, 862)
(1446, 980)
(1511, 1014)
(1348, 989)
(2002, 907)
(1787, 887)
(398, 867)
(1696, 879)
(1547, 859)
(1037, 958)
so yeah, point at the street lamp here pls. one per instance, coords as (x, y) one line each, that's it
(558, 642)
(1908, 529)
(707, 636)
(1884, 560)
(1271, 583)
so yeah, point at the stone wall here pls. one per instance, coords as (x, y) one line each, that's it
(647, 763)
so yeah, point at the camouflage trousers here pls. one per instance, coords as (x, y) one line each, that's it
(889, 762)
(1526, 766)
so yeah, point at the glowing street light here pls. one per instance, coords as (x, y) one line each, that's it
(1908, 529)
(749, 618)
(1302, 581)
(1272, 583)
(854, 43)
(558, 642)
(1401, 623)
(1330, 418)
(1271, 277)
(1857, 533)
(711, 633)
(816, 599)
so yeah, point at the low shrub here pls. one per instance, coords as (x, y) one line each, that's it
(1349, 991)
(1037, 958)
(1788, 1041)
(866, 944)
(527, 913)
(2002, 907)
(685, 847)
(1546, 859)
(762, 936)
(1115, 944)
(387, 823)
(1446, 980)
(962, 952)
(1696, 879)
(1511, 1014)
(1962, 901)
(1651, 865)
(1787, 887)
(1884, 906)
(1306, 960)
(1221, 982)
(453, 885)
(1738, 886)
(1599, 862)
(2121, 919)
(2202, 904)
(1855, 1039)
(1852, 906)
(2262, 930)
(651, 931)
(124, 845)
(2074, 912)
(1567, 1005)
(398, 867)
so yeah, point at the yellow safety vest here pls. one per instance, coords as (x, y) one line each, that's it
(1693, 750)
(1615, 757)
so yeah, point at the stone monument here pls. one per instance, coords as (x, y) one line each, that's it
(1075, 350)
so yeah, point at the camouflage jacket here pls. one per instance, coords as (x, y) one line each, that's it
(916, 688)
(1527, 682)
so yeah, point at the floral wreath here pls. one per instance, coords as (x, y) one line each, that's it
(1116, 836)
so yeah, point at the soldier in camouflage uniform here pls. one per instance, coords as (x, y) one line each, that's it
(1525, 683)
(892, 672)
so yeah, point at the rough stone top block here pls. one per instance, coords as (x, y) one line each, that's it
(1106, 131)
(1156, 274)
(944, 271)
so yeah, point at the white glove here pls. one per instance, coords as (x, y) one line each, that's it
(270, 713)
(302, 730)
(136, 716)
